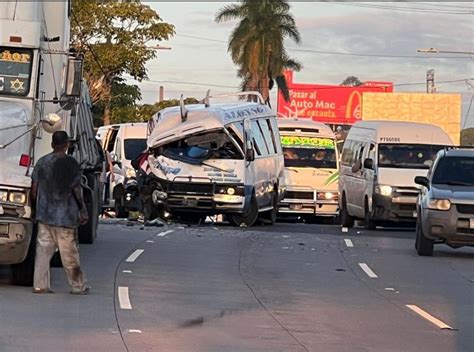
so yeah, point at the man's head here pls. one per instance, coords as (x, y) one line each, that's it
(60, 141)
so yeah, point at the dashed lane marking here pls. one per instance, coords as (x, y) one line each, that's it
(136, 331)
(348, 243)
(368, 271)
(150, 241)
(163, 234)
(134, 255)
(124, 298)
(127, 271)
(428, 317)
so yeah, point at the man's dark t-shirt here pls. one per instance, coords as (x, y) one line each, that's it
(56, 176)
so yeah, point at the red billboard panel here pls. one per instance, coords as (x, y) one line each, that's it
(330, 104)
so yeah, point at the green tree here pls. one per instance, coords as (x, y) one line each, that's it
(113, 36)
(256, 44)
(351, 81)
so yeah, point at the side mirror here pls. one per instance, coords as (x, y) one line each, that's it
(423, 181)
(114, 159)
(52, 122)
(74, 77)
(249, 152)
(357, 166)
(369, 164)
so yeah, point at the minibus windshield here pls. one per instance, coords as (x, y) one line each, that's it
(15, 71)
(310, 152)
(407, 156)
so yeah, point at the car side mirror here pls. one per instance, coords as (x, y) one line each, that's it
(368, 164)
(423, 181)
(250, 152)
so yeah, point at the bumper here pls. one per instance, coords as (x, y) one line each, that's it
(211, 203)
(306, 203)
(15, 237)
(450, 226)
(394, 208)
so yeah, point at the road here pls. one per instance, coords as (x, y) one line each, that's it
(290, 287)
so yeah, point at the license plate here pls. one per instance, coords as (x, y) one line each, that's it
(471, 223)
(3, 229)
(296, 206)
(415, 214)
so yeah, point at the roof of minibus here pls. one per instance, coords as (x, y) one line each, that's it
(306, 126)
(402, 132)
(202, 118)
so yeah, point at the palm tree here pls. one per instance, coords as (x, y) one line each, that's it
(256, 44)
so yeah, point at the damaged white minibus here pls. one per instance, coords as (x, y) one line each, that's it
(208, 159)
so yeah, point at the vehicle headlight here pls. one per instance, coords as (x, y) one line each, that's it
(326, 195)
(439, 204)
(130, 173)
(3, 196)
(384, 190)
(231, 191)
(17, 197)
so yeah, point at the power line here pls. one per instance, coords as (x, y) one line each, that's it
(467, 113)
(402, 8)
(446, 6)
(339, 53)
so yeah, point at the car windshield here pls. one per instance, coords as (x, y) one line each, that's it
(312, 152)
(407, 156)
(15, 71)
(454, 170)
(133, 147)
(195, 149)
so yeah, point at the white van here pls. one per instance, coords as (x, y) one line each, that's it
(217, 159)
(124, 142)
(379, 163)
(311, 169)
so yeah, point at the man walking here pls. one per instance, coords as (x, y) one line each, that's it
(60, 209)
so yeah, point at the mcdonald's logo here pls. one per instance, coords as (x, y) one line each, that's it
(353, 107)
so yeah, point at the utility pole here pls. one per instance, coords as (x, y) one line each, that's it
(430, 88)
(161, 94)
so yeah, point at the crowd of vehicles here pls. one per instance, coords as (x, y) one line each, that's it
(41, 91)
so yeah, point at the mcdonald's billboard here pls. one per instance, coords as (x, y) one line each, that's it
(327, 103)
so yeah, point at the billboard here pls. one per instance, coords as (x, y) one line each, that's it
(329, 104)
(443, 110)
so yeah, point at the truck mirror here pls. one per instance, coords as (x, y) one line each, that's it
(74, 77)
(52, 122)
(369, 164)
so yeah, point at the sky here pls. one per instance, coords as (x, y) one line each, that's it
(199, 54)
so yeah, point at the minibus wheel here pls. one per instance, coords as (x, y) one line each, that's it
(346, 219)
(248, 218)
(369, 223)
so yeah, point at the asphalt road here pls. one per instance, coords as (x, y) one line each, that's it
(289, 287)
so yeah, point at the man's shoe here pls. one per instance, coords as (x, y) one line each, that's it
(42, 290)
(78, 291)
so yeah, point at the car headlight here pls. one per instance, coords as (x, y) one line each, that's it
(439, 204)
(130, 173)
(326, 195)
(231, 191)
(384, 190)
(17, 197)
(3, 196)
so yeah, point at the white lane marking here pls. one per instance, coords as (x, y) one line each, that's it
(127, 271)
(136, 331)
(348, 243)
(134, 255)
(428, 317)
(163, 234)
(150, 241)
(124, 299)
(367, 270)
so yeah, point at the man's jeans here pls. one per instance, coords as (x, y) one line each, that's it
(52, 237)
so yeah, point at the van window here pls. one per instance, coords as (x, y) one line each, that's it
(316, 152)
(265, 128)
(133, 147)
(347, 153)
(110, 139)
(118, 148)
(276, 134)
(259, 139)
(407, 156)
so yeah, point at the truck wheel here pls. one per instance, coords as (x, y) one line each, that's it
(424, 246)
(270, 217)
(88, 232)
(369, 223)
(346, 219)
(248, 218)
(22, 273)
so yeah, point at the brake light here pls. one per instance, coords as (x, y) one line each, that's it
(25, 160)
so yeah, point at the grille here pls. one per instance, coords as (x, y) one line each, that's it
(299, 195)
(465, 208)
(190, 188)
(407, 207)
(407, 191)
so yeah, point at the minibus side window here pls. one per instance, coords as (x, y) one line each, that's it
(268, 136)
(347, 153)
(259, 140)
(276, 135)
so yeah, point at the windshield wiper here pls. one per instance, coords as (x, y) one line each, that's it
(215, 167)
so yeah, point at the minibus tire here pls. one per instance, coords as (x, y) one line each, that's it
(346, 219)
(270, 217)
(369, 223)
(247, 219)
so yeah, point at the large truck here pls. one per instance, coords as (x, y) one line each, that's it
(41, 91)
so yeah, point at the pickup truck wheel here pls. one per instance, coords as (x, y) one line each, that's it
(424, 246)
(369, 223)
(248, 218)
(22, 273)
(346, 219)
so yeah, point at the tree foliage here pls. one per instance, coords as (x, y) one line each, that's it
(113, 37)
(256, 44)
(351, 81)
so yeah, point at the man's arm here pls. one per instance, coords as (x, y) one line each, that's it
(77, 192)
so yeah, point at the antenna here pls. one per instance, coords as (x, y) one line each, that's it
(184, 111)
(206, 99)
